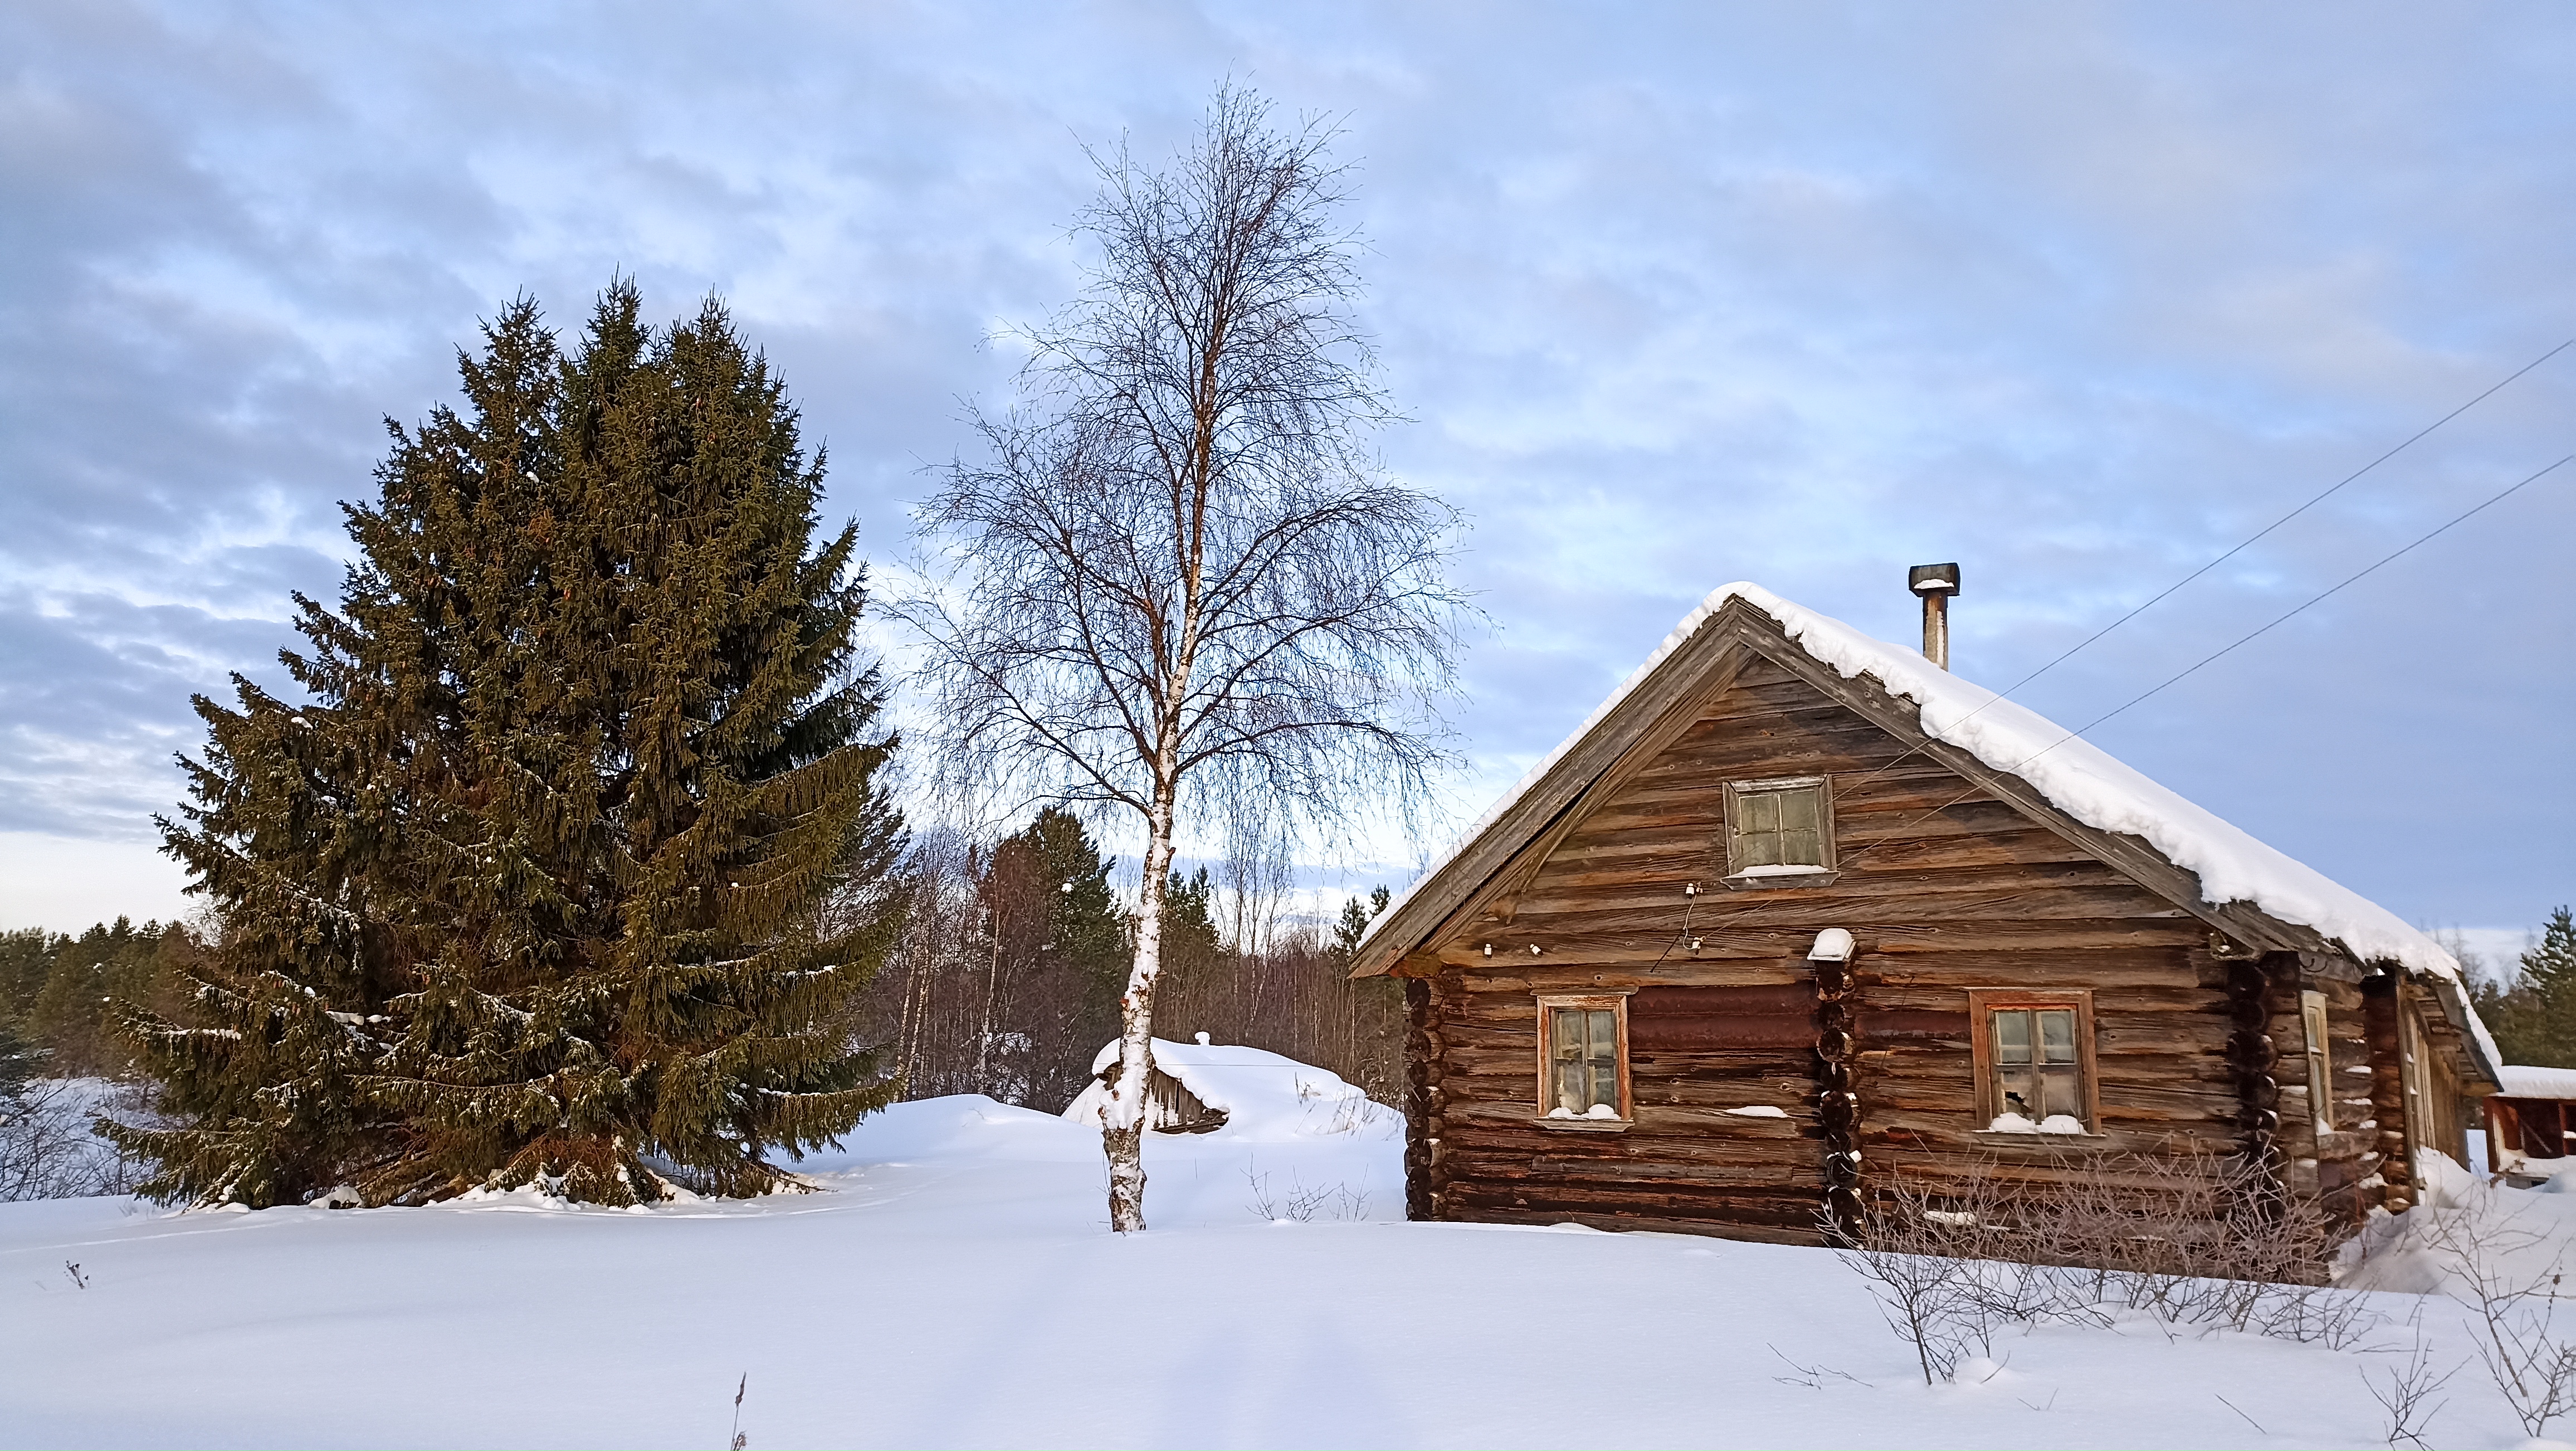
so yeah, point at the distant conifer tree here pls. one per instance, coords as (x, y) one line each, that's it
(2531, 1008)
(2547, 1028)
(535, 890)
(1354, 924)
(1063, 939)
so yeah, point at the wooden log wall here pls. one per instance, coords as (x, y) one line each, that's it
(2381, 1005)
(1945, 888)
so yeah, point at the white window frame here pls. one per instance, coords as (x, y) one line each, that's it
(1741, 877)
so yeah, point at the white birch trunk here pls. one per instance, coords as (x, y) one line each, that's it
(1123, 1123)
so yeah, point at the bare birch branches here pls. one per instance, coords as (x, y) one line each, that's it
(1178, 584)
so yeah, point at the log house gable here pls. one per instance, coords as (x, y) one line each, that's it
(1485, 881)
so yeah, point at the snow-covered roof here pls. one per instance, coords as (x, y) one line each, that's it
(2521, 1081)
(1265, 1095)
(2078, 777)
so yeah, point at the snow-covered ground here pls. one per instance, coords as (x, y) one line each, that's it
(952, 1283)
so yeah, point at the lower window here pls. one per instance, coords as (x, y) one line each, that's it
(2034, 1062)
(1583, 1058)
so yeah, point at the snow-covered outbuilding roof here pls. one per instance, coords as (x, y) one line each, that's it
(2521, 1081)
(1263, 1095)
(2077, 777)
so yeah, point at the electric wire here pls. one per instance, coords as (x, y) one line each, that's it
(2242, 546)
(2258, 535)
(2188, 670)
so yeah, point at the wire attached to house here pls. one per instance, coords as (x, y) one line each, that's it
(2258, 535)
(2318, 598)
(2332, 489)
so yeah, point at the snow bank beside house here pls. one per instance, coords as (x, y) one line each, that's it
(2075, 775)
(2517, 1236)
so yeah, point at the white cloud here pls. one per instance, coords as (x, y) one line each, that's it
(1678, 294)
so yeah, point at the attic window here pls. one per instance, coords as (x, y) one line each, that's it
(1779, 833)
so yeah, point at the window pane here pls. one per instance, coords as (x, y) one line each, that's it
(1780, 828)
(1758, 811)
(1605, 1036)
(2059, 1093)
(1570, 1094)
(1567, 1028)
(1798, 808)
(2057, 1035)
(2012, 1037)
(2018, 1092)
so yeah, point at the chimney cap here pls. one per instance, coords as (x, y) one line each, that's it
(1933, 579)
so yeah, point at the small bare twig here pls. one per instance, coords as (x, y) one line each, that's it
(2249, 1420)
(1810, 1376)
(739, 1440)
(2409, 1386)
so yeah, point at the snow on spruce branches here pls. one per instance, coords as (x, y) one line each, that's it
(532, 886)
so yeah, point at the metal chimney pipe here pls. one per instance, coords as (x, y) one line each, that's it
(1936, 583)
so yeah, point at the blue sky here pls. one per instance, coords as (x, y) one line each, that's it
(2077, 295)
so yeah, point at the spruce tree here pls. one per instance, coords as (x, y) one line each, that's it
(2548, 1027)
(26, 960)
(1062, 939)
(1353, 925)
(70, 1019)
(536, 888)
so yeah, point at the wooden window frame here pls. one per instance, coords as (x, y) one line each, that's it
(2415, 1080)
(1823, 875)
(1616, 1000)
(1983, 1004)
(2316, 1032)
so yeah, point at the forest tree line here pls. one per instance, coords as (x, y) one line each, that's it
(1004, 979)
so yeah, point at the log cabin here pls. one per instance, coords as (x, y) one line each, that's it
(1797, 910)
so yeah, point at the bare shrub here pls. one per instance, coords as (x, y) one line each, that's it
(2192, 1239)
(47, 1150)
(1923, 1251)
(1298, 1204)
(2406, 1393)
(2512, 1304)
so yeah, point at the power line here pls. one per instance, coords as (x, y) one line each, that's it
(2286, 518)
(2320, 598)
(2249, 542)
(2353, 578)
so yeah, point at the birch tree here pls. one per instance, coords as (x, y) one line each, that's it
(1177, 586)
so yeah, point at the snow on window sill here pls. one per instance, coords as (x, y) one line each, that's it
(1562, 1120)
(2030, 1136)
(1767, 879)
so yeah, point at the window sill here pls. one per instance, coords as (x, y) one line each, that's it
(1993, 1136)
(1777, 881)
(1586, 1125)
